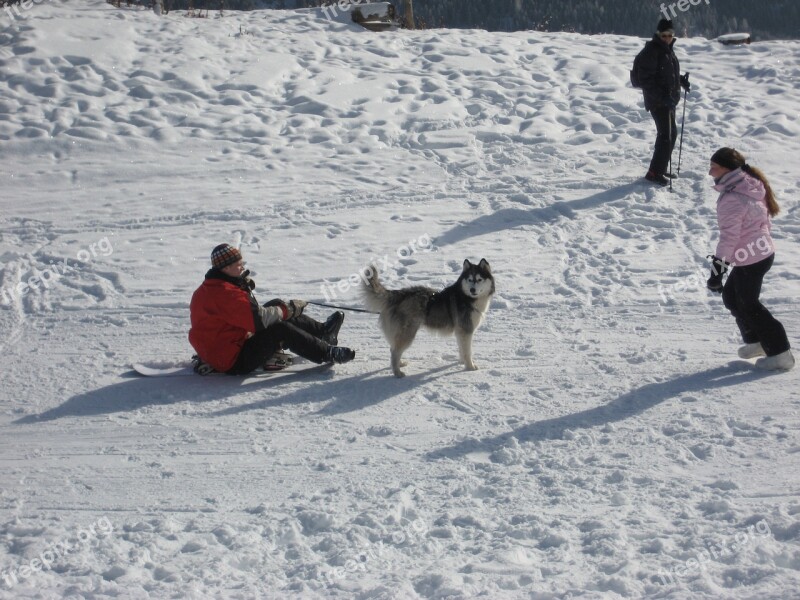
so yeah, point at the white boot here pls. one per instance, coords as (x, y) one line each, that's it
(780, 362)
(751, 350)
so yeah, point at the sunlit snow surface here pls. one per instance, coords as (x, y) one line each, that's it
(612, 444)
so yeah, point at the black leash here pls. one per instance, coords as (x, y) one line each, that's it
(363, 310)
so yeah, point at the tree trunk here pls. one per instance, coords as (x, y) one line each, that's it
(409, 16)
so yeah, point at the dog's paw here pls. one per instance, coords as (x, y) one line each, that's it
(470, 366)
(399, 373)
(403, 363)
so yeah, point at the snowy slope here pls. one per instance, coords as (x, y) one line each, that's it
(612, 445)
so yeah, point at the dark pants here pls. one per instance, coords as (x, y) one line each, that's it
(740, 296)
(300, 335)
(666, 134)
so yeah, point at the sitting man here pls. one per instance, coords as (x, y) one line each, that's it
(235, 335)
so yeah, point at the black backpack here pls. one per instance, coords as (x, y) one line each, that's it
(635, 71)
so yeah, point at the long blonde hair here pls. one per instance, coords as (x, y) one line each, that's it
(733, 159)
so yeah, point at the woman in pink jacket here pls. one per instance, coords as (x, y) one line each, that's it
(744, 208)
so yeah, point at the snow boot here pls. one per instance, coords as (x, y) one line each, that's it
(332, 326)
(751, 350)
(656, 178)
(278, 361)
(201, 367)
(339, 354)
(779, 362)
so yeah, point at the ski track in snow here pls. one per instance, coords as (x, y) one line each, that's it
(611, 444)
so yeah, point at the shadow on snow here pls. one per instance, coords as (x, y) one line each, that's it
(632, 403)
(346, 394)
(350, 394)
(509, 218)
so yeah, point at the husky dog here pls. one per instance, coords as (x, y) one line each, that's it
(457, 309)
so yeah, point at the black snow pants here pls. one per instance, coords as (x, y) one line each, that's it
(300, 334)
(666, 135)
(740, 296)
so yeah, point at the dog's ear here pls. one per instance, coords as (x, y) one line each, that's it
(484, 264)
(466, 266)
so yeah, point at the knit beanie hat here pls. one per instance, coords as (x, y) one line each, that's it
(728, 158)
(665, 26)
(224, 255)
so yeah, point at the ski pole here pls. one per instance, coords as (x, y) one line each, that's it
(683, 121)
(670, 149)
(364, 310)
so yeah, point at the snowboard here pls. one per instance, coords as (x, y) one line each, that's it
(187, 367)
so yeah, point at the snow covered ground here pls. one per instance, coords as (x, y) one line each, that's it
(612, 445)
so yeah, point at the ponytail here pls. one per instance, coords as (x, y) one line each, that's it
(733, 159)
(772, 203)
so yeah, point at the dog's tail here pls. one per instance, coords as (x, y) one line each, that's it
(375, 295)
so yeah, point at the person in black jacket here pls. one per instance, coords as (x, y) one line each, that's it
(659, 75)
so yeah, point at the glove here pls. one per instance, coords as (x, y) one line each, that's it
(296, 308)
(714, 282)
(685, 82)
(247, 283)
(718, 268)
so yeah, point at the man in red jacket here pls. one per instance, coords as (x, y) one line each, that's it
(235, 335)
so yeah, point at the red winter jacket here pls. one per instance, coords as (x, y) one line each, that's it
(224, 314)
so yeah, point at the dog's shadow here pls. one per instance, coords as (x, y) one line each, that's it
(350, 394)
(630, 404)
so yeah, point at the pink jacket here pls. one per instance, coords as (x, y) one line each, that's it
(744, 225)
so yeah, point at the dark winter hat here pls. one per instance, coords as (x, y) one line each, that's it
(665, 26)
(728, 158)
(224, 255)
